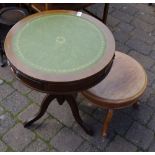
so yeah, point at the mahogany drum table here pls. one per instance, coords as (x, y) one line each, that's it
(60, 53)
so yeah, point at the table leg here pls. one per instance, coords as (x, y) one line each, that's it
(107, 122)
(60, 98)
(45, 103)
(105, 13)
(73, 105)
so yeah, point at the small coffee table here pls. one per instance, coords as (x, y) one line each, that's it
(122, 88)
(60, 53)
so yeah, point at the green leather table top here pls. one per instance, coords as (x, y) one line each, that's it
(59, 43)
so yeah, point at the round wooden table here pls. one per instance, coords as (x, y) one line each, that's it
(125, 83)
(60, 53)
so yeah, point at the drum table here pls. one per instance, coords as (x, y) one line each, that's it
(60, 53)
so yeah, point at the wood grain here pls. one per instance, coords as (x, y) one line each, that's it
(124, 84)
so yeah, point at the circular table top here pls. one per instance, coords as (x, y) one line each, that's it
(59, 46)
(125, 82)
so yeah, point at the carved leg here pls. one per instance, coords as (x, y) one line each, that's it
(107, 122)
(71, 101)
(45, 103)
(60, 99)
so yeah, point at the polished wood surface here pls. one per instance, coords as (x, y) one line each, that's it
(124, 84)
(62, 87)
(74, 78)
